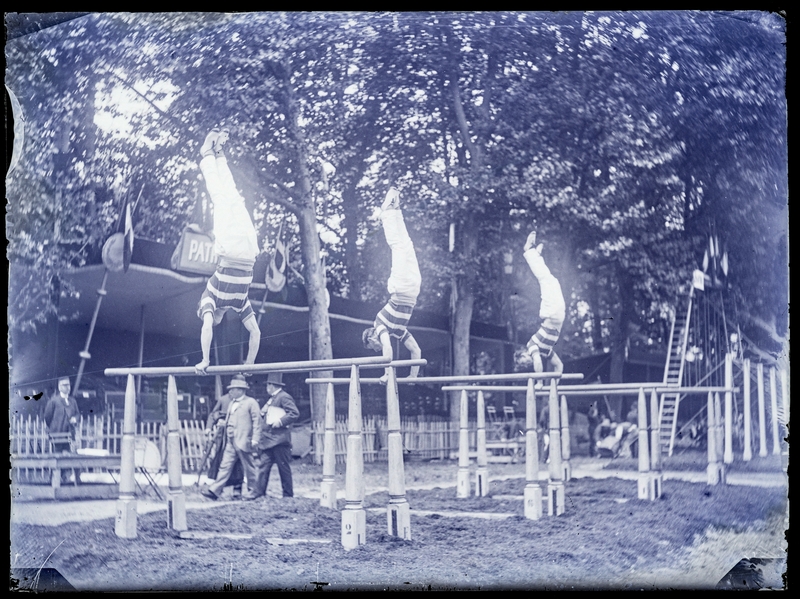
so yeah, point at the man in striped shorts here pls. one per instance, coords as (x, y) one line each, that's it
(236, 247)
(403, 285)
(552, 311)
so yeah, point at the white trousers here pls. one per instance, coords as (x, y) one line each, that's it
(404, 280)
(552, 306)
(235, 236)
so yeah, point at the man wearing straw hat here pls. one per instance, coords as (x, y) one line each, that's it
(243, 430)
(275, 445)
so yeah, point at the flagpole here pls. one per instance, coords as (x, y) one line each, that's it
(85, 355)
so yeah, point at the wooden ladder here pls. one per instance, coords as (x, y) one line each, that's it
(673, 373)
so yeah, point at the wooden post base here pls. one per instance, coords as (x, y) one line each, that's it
(555, 498)
(533, 501)
(462, 483)
(125, 525)
(354, 528)
(176, 511)
(716, 474)
(398, 516)
(567, 468)
(481, 482)
(656, 483)
(328, 494)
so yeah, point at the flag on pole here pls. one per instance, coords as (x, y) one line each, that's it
(276, 270)
(127, 235)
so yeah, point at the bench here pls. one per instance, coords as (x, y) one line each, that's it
(55, 463)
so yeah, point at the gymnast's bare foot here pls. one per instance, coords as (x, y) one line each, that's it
(531, 241)
(221, 140)
(207, 149)
(392, 200)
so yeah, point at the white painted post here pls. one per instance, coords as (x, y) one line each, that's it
(354, 518)
(125, 524)
(785, 396)
(176, 501)
(747, 454)
(773, 404)
(720, 437)
(643, 486)
(555, 486)
(533, 492)
(656, 477)
(711, 436)
(328, 485)
(482, 472)
(762, 416)
(728, 455)
(462, 482)
(565, 439)
(398, 512)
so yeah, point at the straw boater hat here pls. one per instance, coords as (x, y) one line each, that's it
(275, 378)
(238, 382)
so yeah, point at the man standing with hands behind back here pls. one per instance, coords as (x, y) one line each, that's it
(275, 447)
(61, 414)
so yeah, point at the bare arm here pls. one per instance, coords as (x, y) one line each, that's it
(388, 354)
(416, 353)
(206, 335)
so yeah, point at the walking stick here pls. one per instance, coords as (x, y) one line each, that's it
(212, 439)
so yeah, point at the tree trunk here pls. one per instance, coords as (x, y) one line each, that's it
(462, 318)
(318, 321)
(621, 332)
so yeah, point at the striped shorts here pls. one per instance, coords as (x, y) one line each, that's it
(547, 336)
(227, 290)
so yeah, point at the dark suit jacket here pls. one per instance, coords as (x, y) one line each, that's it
(57, 413)
(277, 435)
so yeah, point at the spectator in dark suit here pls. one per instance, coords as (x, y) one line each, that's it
(61, 416)
(275, 446)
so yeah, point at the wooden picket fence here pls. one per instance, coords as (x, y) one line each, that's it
(29, 436)
(421, 440)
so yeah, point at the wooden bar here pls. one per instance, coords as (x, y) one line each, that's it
(299, 366)
(514, 376)
(570, 390)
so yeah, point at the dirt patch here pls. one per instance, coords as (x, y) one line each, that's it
(606, 539)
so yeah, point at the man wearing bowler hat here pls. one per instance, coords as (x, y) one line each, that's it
(275, 446)
(243, 430)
